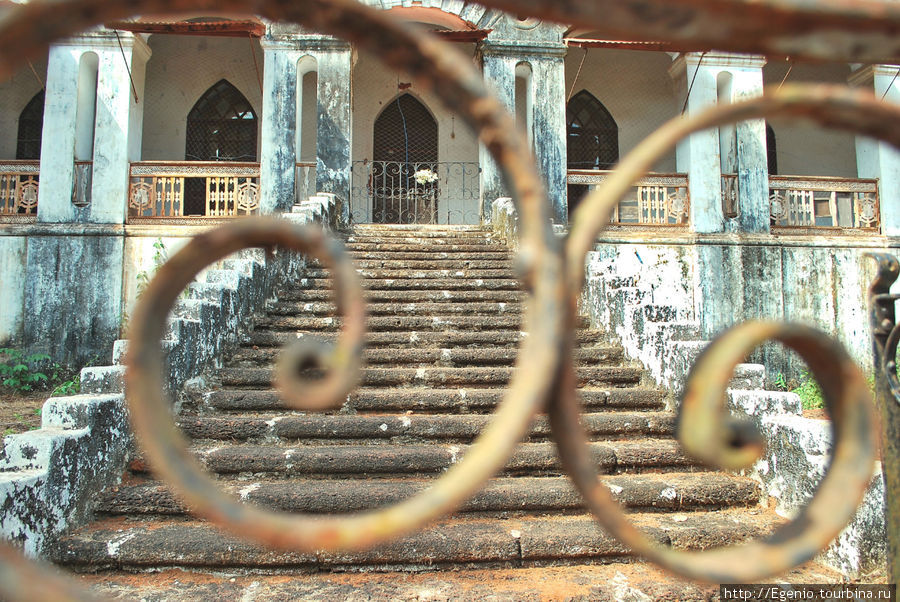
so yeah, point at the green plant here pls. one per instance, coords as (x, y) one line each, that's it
(22, 373)
(780, 382)
(810, 393)
(68, 387)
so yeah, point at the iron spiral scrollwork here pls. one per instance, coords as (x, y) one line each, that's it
(553, 275)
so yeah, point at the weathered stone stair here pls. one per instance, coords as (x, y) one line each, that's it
(444, 326)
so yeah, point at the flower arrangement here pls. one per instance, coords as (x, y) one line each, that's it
(425, 176)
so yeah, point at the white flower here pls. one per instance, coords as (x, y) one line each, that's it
(425, 176)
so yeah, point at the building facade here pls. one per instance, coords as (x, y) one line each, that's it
(147, 130)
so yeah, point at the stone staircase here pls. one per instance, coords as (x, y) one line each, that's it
(444, 326)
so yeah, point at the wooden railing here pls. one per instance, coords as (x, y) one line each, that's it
(815, 202)
(19, 182)
(304, 181)
(195, 189)
(656, 199)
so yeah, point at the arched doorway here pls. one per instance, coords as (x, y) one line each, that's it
(403, 177)
(592, 140)
(221, 126)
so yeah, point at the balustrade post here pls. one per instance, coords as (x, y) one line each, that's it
(879, 160)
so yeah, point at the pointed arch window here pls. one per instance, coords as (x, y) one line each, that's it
(406, 131)
(592, 134)
(771, 151)
(31, 124)
(221, 126)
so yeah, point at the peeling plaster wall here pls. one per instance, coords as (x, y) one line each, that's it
(49, 477)
(12, 292)
(179, 71)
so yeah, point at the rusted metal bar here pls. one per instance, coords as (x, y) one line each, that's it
(885, 336)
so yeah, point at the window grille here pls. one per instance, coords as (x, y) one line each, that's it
(405, 131)
(31, 123)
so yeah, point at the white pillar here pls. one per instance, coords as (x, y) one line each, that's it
(705, 80)
(876, 159)
(277, 155)
(90, 114)
(547, 117)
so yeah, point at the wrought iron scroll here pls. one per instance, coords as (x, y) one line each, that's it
(544, 377)
(885, 339)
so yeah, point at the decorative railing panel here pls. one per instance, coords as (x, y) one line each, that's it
(198, 189)
(655, 199)
(304, 181)
(812, 202)
(19, 182)
(396, 192)
(730, 196)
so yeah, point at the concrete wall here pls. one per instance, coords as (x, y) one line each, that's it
(15, 93)
(180, 70)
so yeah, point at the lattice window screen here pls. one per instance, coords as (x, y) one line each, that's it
(221, 127)
(405, 131)
(593, 136)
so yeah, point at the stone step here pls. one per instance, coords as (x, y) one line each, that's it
(497, 254)
(408, 296)
(647, 492)
(404, 323)
(366, 262)
(450, 357)
(433, 400)
(425, 241)
(449, 339)
(397, 309)
(417, 284)
(402, 274)
(512, 581)
(440, 376)
(389, 245)
(429, 234)
(123, 543)
(632, 455)
(439, 427)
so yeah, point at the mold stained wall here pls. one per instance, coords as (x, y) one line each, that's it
(809, 150)
(374, 86)
(15, 93)
(179, 71)
(635, 88)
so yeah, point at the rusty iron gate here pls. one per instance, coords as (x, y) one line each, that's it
(553, 273)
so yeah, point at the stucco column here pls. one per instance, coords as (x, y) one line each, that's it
(91, 114)
(277, 154)
(334, 125)
(705, 80)
(547, 119)
(876, 159)
(119, 123)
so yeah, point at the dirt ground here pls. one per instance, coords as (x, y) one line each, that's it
(20, 412)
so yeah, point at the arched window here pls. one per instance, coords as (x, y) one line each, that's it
(592, 134)
(31, 124)
(221, 127)
(406, 131)
(592, 140)
(771, 152)
(406, 143)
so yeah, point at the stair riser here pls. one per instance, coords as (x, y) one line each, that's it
(302, 296)
(444, 340)
(435, 284)
(438, 377)
(500, 495)
(413, 428)
(399, 309)
(437, 357)
(434, 400)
